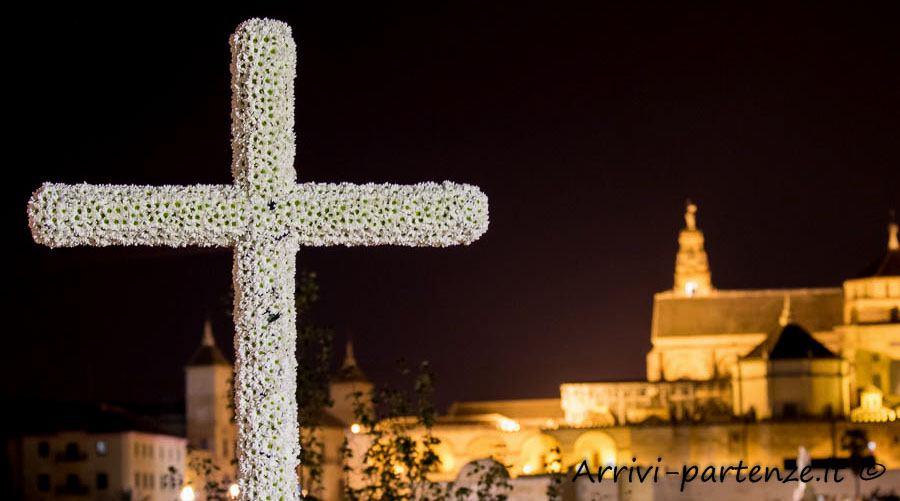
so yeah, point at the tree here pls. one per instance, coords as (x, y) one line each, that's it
(314, 350)
(554, 466)
(856, 442)
(204, 468)
(395, 465)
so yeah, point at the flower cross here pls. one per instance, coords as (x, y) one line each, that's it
(265, 216)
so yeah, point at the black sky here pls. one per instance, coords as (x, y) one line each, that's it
(586, 126)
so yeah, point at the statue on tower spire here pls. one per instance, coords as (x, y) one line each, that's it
(690, 216)
(692, 276)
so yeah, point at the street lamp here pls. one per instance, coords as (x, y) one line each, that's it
(187, 493)
(234, 490)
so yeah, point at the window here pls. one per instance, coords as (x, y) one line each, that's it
(150, 479)
(72, 452)
(73, 485)
(43, 449)
(163, 481)
(102, 481)
(43, 482)
(102, 448)
(137, 450)
(876, 380)
(137, 480)
(790, 411)
(875, 357)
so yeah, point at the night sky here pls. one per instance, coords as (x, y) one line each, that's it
(586, 127)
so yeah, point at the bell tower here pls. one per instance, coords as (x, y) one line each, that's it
(208, 403)
(348, 381)
(692, 276)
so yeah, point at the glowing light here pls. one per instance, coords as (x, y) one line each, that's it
(187, 493)
(234, 490)
(399, 469)
(555, 467)
(690, 288)
(355, 428)
(528, 469)
(509, 425)
(871, 446)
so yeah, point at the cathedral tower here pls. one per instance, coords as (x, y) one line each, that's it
(692, 277)
(208, 403)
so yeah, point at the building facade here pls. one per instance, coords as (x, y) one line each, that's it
(102, 466)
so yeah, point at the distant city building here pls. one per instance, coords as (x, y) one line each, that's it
(114, 457)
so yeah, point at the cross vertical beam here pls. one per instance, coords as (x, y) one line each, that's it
(263, 66)
(266, 369)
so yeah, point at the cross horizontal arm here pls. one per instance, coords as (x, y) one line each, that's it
(318, 214)
(422, 215)
(63, 215)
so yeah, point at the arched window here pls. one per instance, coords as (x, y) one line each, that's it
(487, 446)
(540, 454)
(597, 448)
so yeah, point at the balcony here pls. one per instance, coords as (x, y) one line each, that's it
(70, 456)
(72, 490)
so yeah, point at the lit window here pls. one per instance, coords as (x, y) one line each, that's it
(102, 449)
(690, 288)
